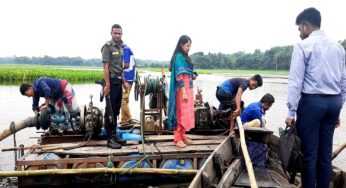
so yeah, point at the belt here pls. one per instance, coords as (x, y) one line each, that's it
(318, 95)
(113, 75)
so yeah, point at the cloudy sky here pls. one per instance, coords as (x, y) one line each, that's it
(152, 27)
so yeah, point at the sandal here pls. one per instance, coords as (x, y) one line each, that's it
(188, 141)
(180, 144)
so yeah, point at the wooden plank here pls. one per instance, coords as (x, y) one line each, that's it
(102, 151)
(195, 142)
(147, 149)
(207, 175)
(265, 178)
(231, 174)
(195, 163)
(159, 138)
(280, 180)
(189, 148)
(262, 179)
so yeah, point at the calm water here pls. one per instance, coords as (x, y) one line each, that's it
(15, 107)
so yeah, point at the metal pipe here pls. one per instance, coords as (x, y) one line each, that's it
(29, 122)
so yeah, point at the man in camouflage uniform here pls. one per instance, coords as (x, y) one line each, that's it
(112, 58)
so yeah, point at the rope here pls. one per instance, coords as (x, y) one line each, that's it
(151, 86)
(137, 163)
(90, 133)
(13, 130)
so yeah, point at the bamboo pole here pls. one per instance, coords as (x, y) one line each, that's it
(95, 171)
(29, 122)
(22, 148)
(338, 150)
(247, 159)
(48, 147)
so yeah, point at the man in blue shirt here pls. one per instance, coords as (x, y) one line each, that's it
(316, 94)
(230, 91)
(129, 76)
(253, 113)
(55, 91)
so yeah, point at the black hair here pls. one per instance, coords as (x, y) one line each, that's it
(116, 26)
(24, 87)
(267, 99)
(257, 78)
(179, 48)
(310, 15)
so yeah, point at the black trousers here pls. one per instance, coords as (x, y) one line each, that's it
(115, 98)
(226, 99)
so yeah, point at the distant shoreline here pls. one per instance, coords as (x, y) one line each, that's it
(15, 73)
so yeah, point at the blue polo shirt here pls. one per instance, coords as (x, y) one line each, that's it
(251, 112)
(129, 75)
(47, 88)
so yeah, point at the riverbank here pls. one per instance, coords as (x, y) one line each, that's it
(14, 73)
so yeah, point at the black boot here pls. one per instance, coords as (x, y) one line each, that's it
(111, 143)
(122, 142)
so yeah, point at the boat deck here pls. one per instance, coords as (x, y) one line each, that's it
(156, 148)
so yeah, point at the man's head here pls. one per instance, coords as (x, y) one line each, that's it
(308, 21)
(27, 90)
(116, 32)
(255, 82)
(267, 100)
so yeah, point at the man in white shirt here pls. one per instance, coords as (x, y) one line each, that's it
(316, 93)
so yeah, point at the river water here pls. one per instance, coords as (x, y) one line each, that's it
(15, 107)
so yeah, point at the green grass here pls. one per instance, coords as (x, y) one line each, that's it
(14, 73)
(28, 73)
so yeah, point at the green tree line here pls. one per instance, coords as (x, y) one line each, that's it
(276, 58)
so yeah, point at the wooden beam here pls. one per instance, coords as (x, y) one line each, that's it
(95, 171)
(247, 159)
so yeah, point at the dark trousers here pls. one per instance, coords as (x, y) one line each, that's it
(226, 99)
(316, 120)
(115, 98)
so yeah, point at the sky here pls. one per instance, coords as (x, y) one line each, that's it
(79, 28)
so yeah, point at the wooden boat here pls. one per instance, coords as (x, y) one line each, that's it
(68, 160)
(225, 166)
(73, 151)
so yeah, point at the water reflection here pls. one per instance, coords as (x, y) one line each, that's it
(15, 107)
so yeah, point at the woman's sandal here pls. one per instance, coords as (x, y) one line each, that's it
(180, 144)
(188, 141)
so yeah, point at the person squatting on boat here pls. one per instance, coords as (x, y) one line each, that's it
(181, 98)
(57, 92)
(252, 115)
(231, 90)
(129, 76)
(316, 94)
(112, 59)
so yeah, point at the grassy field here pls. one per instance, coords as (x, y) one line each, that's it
(27, 73)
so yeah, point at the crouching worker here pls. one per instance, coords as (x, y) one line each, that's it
(229, 92)
(56, 92)
(252, 116)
